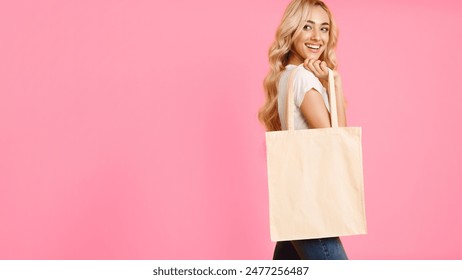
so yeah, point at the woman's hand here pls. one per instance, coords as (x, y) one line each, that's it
(318, 68)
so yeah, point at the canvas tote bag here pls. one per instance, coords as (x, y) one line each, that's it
(315, 177)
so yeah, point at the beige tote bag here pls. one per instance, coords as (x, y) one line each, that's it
(315, 177)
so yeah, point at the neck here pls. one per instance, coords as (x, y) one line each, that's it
(295, 59)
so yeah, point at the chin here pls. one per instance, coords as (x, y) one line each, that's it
(313, 57)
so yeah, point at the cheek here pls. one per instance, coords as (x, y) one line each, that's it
(298, 41)
(300, 46)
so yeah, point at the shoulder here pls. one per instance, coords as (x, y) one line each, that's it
(302, 74)
(305, 79)
(303, 82)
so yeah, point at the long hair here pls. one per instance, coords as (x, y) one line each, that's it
(292, 22)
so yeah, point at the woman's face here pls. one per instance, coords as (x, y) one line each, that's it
(313, 38)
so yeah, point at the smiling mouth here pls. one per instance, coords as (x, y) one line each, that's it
(313, 47)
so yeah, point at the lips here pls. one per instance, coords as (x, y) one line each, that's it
(313, 46)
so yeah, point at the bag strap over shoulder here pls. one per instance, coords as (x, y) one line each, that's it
(290, 106)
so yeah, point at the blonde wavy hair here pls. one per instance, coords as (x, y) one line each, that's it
(293, 20)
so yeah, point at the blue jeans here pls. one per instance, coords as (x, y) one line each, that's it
(310, 249)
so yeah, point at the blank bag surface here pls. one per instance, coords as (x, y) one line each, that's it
(315, 178)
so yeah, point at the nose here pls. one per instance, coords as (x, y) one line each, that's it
(315, 35)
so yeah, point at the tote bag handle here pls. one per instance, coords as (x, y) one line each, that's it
(290, 106)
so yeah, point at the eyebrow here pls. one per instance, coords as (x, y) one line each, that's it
(312, 22)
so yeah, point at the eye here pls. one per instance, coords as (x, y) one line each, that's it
(307, 27)
(325, 29)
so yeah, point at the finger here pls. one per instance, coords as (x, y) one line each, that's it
(317, 66)
(325, 69)
(306, 63)
(310, 66)
(316, 69)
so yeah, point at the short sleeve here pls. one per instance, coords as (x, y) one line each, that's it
(304, 80)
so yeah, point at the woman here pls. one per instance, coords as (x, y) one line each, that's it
(306, 36)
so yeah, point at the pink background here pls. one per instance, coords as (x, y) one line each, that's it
(128, 129)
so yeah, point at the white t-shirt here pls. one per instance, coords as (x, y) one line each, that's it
(304, 80)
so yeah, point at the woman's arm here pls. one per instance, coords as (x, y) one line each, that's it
(317, 116)
(314, 111)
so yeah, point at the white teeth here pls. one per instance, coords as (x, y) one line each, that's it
(316, 47)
